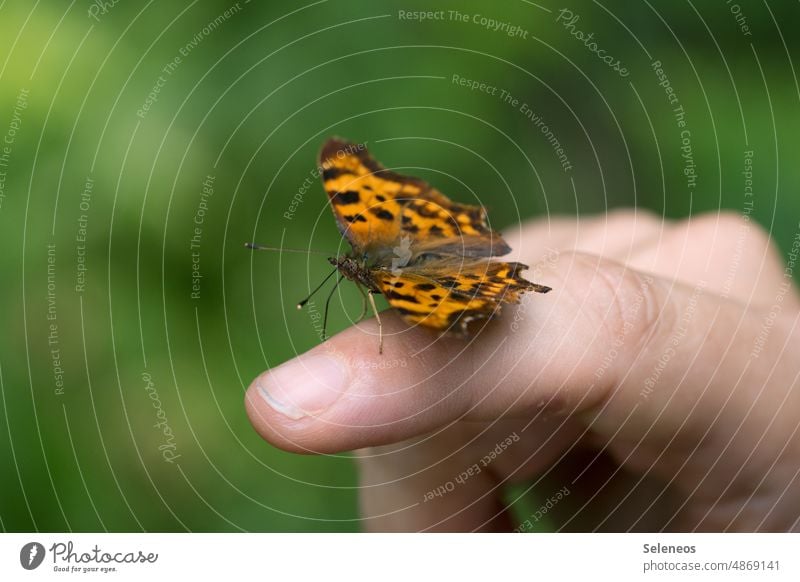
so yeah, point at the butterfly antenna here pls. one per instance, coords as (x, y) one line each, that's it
(257, 247)
(327, 304)
(318, 287)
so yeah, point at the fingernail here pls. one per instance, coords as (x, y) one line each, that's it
(304, 387)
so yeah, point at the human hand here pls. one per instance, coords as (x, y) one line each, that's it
(657, 385)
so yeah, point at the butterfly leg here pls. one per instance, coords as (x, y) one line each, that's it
(363, 303)
(378, 319)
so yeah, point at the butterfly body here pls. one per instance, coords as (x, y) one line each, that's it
(355, 270)
(429, 256)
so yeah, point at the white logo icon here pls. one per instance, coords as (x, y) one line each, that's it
(402, 254)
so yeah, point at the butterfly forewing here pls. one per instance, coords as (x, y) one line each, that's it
(374, 206)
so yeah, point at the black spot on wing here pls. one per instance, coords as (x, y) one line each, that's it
(459, 298)
(392, 294)
(348, 197)
(333, 172)
(428, 211)
(356, 218)
(382, 213)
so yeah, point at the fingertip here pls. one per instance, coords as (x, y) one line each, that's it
(270, 425)
(344, 395)
(284, 403)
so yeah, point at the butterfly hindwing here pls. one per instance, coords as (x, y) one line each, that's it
(446, 295)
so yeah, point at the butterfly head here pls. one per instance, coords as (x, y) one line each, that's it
(353, 269)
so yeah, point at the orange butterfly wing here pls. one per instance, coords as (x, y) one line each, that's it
(375, 207)
(445, 295)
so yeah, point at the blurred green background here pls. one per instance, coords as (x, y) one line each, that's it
(121, 392)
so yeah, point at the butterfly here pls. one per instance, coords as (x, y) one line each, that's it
(430, 257)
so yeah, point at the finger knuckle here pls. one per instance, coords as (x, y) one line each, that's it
(637, 312)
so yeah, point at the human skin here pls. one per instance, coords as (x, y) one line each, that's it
(658, 382)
